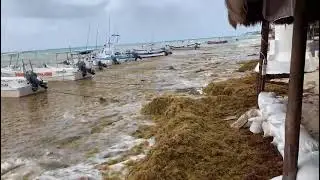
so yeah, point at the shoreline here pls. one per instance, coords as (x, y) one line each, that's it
(105, 132)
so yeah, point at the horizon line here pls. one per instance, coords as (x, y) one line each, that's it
(130, 43)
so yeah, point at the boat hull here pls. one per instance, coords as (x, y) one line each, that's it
(217, 42)
(146, 54)
(184, 48)
(49, 74)
(17, 87)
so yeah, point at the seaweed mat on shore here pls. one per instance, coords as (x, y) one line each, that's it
(194, 142)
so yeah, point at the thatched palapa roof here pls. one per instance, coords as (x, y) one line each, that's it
(244, 12)
(251, 12)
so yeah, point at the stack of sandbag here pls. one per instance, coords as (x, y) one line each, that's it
(270, 119)
(273, 113)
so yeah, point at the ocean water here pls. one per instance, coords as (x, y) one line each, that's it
(67, 131)
(54, 56)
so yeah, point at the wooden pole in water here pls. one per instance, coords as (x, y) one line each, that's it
(57, 59)
(263, 57)
(293, 116)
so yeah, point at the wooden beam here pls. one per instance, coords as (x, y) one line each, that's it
(293, 116)
(263, 56)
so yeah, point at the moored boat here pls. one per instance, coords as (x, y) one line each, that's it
(28, 84)
(151, 52)
(217, 42)
(186, 47)
(17, 87)
(52, 73)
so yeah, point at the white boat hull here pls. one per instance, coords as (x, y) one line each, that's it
(17, 87)
(152, 55)
(51, 74)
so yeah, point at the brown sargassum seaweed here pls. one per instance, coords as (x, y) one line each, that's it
(194, 142)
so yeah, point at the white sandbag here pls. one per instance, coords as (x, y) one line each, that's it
(243, 119)
(270, 129)
(277, 178)
(280, 146)
(272, 109)
(309, 168)
(306, 142)
(266, 129)
(277, 119)
(265, 98)
(256, 127)
(275, 131)
(258, 119)
(282, 99)
(277, 142)
(303, 158)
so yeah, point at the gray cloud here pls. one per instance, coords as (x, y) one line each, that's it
(43, 24)
(50, 9)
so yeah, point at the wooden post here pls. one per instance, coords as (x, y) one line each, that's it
(263, 56)
(293, 116)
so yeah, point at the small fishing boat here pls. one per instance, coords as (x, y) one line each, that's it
(49, 73)
(29, 84)
(110, 55)
(143, 53)
(217, 42)
(186, 47)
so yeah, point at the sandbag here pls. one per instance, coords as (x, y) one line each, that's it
(258, 119)
(277, 119)
(266, 129)
(277, 178)
(273, 109)
(309, 167)
(256, 127)
(265, 98)
(275, 131)
(306, 142)
(243, 119)
(277, 142)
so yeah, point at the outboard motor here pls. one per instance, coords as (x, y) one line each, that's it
(34, 81)
(136, 56)
(197, 46)
(100, 65)
(91, 71)
(82, 67)
(114, 60)
(66, 62)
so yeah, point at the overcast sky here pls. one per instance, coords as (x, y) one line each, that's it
(44, 24)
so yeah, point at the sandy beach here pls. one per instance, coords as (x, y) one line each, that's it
(77, 128)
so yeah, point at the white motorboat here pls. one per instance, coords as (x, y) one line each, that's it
(147, 53)
(193, 46)
(50, 73)
(17, 87)
(110, 55)
(29, 84)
